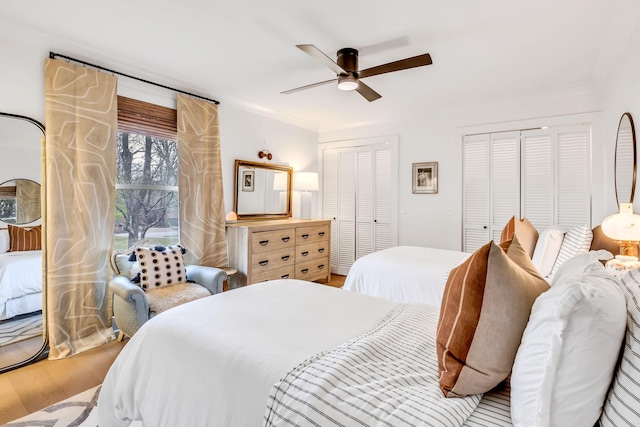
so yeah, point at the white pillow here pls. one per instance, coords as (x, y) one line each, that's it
(576, 241)
(4, 240)
(547, 250)
(569, 350)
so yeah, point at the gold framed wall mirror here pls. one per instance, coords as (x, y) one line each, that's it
(262, 190)
(22, 335)
(625, 160)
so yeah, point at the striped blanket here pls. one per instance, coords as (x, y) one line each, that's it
(385, 377)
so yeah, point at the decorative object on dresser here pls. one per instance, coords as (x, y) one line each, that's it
(279, 249)
(305, 182)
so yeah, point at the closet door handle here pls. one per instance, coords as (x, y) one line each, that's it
(321, 233)
(305, 253)
(304, 270)
(285, 239)
(285, 258)
(263, 263)
(284, 276)
(305, 236)
(264, 242)
(320, 250)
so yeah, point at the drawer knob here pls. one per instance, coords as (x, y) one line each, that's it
(285, 258)
(264, 242)
(305, 253)
(263, 263)
(321, 266)
(320, 250)
(305, 236)
(304, 270)
(284, 276)
(286, 239)
(321, 233)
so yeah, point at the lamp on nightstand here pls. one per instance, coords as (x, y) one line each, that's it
(624, 229)
(305, 182)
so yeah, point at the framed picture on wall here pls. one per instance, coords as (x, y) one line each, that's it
(425, 178)
(247, 180)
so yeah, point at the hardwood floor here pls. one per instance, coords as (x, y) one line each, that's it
(33, 387)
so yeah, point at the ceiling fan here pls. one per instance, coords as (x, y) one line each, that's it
(346, 69)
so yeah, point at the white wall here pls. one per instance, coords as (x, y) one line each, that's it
(621, 94)
(436, 220)
(242, 133)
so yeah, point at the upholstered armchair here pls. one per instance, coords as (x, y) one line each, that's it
(135, 303)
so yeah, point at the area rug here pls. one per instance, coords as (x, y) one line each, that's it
(20, 329)
(76, 411)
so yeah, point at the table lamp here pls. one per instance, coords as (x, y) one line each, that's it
(624, 229)
(305, 182)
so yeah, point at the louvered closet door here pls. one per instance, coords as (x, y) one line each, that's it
(383, 221)
(476, 191)
(346, 226)
(330, 199)
(537, 177)
(505, 180)
(573, 172)
(364, 201)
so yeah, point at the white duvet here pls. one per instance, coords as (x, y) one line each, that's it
(406, 274)
(20, 275)
(212, 362)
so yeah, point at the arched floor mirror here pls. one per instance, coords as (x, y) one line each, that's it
(625, 160)
(22, 278)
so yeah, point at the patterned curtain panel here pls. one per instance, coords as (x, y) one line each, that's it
(202, 223)
(28, 200)
(81, 126)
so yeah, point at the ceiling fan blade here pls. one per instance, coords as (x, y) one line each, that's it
(309, 86)
(313, 51)
(367, 92)
(403, 64)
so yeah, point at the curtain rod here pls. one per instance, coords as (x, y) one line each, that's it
(53, 55)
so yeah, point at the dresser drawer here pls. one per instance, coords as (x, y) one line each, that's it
(312, 251)
(263, 261)
(269, 240)
(278, 273)
(312, 270)
(312, 234)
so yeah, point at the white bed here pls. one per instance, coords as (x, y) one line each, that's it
(405, 274)
(20, 283)
(217, 360)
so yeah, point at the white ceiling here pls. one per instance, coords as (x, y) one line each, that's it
(243, 52)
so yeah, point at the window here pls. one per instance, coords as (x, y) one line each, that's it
(146, 175)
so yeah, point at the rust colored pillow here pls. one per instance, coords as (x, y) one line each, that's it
(526, 232)
(485, 309)
(600, 241)
(25, 238)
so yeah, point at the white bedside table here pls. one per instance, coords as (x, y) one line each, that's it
(619, 265)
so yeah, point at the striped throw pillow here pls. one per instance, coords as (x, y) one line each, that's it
(622, 406)
(526, 232)
(484, 311)
(576, 241)
(25, 238)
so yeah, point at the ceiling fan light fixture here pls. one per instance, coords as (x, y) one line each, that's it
(347, 82)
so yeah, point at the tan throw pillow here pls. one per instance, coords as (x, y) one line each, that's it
(600, 241)
(25, 238)
(161, 268)
(485, 308)
(526, 232)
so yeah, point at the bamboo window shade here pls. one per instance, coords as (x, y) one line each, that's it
(137, 116)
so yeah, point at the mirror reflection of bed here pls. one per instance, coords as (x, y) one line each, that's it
(21, 274)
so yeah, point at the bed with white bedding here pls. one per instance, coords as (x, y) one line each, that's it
(404, 273)
(20, 283)
(244, 358)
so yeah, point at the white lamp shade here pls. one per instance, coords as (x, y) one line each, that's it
(306, 181)
(280, 181)
(622, 226)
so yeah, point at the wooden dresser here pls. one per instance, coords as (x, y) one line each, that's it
(279, 249)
